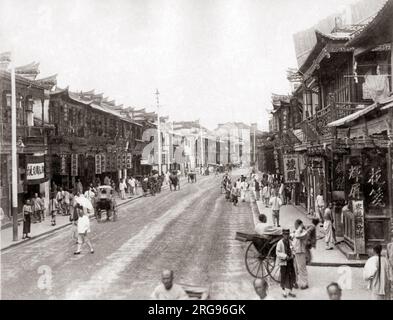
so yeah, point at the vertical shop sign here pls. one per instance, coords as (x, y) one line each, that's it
(74, 165)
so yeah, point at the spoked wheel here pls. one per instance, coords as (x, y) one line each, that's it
(272, 268)
(255, 262)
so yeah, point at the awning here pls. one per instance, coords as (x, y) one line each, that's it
(352, 117)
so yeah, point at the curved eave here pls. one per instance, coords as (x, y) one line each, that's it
(377, 31)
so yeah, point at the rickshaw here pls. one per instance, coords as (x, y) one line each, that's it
(260, 256)
(105, 201)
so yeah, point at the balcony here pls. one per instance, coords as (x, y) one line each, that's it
(315, 127)
(31, 135)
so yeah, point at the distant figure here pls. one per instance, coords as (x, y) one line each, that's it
(122, 189)
(334, 291)
(266, 195)
(276, 204)
(168, 290)
(79, 186)
(320, 206)
(328, 227)
(261, 288)
(107, 181)
(53, 209)
(27, 212)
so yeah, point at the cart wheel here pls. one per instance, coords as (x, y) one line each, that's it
(255, 262)
(272, 268)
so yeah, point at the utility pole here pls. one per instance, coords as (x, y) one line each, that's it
(255, 159)
(158, 132)
(14, 183)
(202, 149)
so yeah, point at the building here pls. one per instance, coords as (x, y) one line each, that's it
(33, 161)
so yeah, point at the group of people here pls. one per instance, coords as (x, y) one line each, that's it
(128, 185)
(235, 189)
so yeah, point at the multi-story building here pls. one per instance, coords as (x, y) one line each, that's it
(33, 161)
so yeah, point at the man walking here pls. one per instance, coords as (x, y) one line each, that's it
(320, 206)
(266, 195)
(83, 231)
(276, 204)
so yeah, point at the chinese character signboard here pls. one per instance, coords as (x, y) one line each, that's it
(103, 162)
(98, 163)
(118, 161)
(358, 211)
(129, 160)
(123, 160)
(63, 165)
(291, 168)
(35, 169)
(74, 165)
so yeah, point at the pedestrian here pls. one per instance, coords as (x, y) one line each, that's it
(281, 193)
(27, 213)
(311, 242)
(257, 189)
(320, 206)
(328, 228)
(334, 291)
(59, 198)
(234, 194)
(243, 188)
(266, 195)
(261, 288)
(299, 249)
(167, 290)
(122, 189)
(83, 231)
(107, 181)
(285, 261)
(276, 204)
(66, 202)
(37, 208)
(53, 209)
(74, 220)
(79, 186)
(378, 273)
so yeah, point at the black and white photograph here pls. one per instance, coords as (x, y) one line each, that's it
(201, 150)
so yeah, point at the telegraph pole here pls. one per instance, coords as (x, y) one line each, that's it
(158, 132)
(14, 183)
(202, 151)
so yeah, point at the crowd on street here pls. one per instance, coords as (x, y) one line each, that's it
(294, 249)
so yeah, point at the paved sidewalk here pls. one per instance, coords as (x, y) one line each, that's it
(321, 256)
(45, 227)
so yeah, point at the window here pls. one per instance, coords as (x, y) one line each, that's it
(6, 107)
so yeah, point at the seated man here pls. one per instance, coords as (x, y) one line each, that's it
(168, 290)
(263, 228)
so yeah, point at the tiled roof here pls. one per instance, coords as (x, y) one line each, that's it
(372, 31)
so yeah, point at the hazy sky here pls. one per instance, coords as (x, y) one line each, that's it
(217, 60)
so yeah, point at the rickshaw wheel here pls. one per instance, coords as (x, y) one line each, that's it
(255, 262)
(272, 268)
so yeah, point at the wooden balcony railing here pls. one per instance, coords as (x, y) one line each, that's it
(316, 125)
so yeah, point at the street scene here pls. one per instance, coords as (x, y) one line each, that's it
(187, 150)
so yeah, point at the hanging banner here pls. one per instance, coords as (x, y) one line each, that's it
(291, 168)
(118, 161)
(63, 164)
(35, 169)
(129, 160)
(74, 165)
(98, 163)
(103, 162)
(358, 212)
(123, 160)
